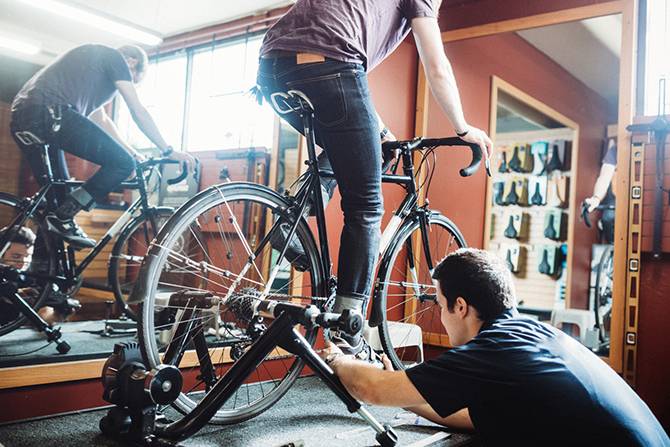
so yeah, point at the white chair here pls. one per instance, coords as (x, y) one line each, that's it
(583, 319)
(401, 334)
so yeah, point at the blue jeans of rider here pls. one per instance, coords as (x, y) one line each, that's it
(346, 127)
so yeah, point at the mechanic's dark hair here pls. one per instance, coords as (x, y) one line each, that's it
(24, 236)
(138, 54)
(479, 277)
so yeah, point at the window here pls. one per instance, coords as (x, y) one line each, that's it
(200, 99)
(657, 64)
(162, 92)
(221, 112)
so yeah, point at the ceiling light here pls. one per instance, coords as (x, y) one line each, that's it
(18, 46)
(95, 20)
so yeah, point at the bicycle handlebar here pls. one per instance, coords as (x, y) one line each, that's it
(422, 143)
(151, 162)
(586, 215)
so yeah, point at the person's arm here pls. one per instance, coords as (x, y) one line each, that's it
(103, 120)
(389, 388)
(602, 184)
(442, 81)
(141, 115)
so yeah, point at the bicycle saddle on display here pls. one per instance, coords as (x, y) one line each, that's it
(498, 192)
(515, 161)
(544, 266)
(550, 230)
(503, 164)
(512, 198)
(510, 231)
(537, 198)
(555, 163)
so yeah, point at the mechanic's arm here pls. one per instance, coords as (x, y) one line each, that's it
(442, 81)
(140, 114)
(602, 183)
(389, 388)
(103, 120)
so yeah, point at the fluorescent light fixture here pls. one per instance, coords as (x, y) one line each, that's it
(95, 20)
(18, 46)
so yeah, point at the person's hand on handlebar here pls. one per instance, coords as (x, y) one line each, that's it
(592, 203)
(183, 157)
(478, 136)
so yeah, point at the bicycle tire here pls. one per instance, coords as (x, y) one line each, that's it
(48, 264)
(386, 282)
(155, 262)
(119, 281)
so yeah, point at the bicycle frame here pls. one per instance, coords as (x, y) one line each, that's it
(66, 257)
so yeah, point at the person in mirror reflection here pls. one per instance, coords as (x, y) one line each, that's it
(62, 107)
(513, 380)
(19, 255)
(603, 193)
(325, 49)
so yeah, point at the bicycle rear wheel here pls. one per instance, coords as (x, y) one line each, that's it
(128, 253)
(43, 261)
(221, 227)
(406, 297)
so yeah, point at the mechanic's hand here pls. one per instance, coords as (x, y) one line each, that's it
(478, 136)
(330, 350)
(388, 366)
(592, 203)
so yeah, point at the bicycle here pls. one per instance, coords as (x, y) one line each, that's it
(54, 268)
(602, 302)
(237, 220)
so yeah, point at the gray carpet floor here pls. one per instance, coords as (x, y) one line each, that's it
(309, 414)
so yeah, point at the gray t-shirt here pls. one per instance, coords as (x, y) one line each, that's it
(84, 78)
(360, 31)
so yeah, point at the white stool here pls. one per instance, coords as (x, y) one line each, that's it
(401, 335)
(585, 320)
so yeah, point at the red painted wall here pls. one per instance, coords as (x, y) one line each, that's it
(512, 59)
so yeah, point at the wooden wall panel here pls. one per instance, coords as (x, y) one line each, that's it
(10, 154)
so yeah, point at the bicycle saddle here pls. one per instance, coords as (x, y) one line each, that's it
(498, 191)
(555, 163)
(515, 162)
(544, 266)
(550, 231)
(508, 261)
(512, 198)
(537, 197)
(510, 231)
(503, 165)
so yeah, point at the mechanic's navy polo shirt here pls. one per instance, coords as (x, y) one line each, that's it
(527, 383)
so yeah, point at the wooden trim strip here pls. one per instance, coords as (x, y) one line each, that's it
(536, 21)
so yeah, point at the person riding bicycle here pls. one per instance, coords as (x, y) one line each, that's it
(603, 194)
(62, 106)
(19, 256)
(515, 381)
(325, 48)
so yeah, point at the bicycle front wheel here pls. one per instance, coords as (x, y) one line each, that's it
(128, 254)
(223, 231)
(406, 298)
(42, 262)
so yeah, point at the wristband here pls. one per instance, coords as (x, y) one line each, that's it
(462, 134)
(167, 152)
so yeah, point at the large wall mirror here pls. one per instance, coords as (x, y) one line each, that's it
(548, 89)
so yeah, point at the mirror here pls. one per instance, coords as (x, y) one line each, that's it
(552, 96)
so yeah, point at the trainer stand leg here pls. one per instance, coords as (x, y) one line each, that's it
(296, 344)
(53, 334)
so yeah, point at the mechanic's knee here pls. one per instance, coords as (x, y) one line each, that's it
(366, 213)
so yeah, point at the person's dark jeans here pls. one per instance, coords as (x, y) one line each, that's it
(78, 136)
(346, 127)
